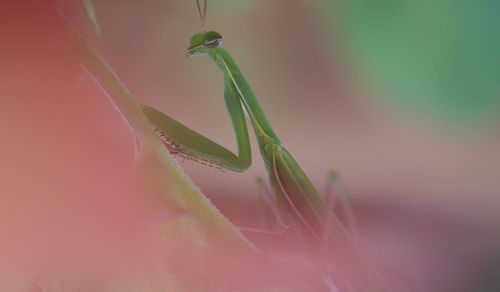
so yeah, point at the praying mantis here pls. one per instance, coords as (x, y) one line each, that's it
(296, 199)
(289, 184)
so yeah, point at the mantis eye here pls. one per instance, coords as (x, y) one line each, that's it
(212, 39)
(213, 42)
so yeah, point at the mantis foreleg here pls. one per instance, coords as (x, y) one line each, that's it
(182, 141)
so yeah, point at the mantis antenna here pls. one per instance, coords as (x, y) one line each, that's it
(202, 14)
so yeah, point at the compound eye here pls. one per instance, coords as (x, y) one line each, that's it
(213, 42)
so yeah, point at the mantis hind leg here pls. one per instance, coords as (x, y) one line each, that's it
(368, 278)
(336, 191)
(336, 194)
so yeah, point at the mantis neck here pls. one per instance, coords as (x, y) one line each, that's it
(232, 74)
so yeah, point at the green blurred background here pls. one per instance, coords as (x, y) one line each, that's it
(441, 56)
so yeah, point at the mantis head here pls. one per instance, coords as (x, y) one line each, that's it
(201, 43)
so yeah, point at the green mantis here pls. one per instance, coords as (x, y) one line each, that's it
(294, 193)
